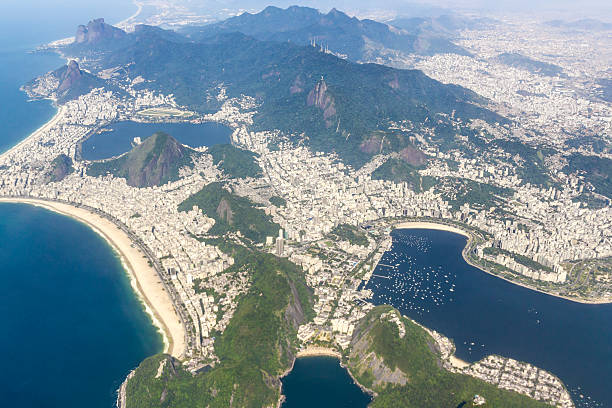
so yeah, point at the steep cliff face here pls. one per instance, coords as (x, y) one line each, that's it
(64, 84)
(153, 163)
(69, 77)
(97, 30)
(368, 365)
(322, 99)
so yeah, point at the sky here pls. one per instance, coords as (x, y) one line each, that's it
(569, 9)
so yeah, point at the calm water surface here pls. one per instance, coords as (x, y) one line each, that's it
(72, 326)
(431, 283)
(119, 136)
(321, 382)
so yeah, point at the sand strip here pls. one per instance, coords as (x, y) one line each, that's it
(431, 226)
(444, 227)
(44, 128)
(145, 281)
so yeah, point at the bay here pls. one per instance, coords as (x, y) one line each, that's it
(321, 382)
(430, 282)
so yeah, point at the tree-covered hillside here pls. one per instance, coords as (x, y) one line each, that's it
(255, 348)
(338, 105)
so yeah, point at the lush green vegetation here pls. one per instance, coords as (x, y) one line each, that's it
(255, 348)
(351, 234)
(591, 201)
(522, 259)
(235, 162)
(362, 98)
(231, 213)
(461, 191)
(397, 170)
(278, 201)
(153, 163)
(532, 169)
(429, 385)
(596, 170)
(61, 167)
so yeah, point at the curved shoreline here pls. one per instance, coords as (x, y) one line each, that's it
(444, 227)
(45, 127)
(143, 278)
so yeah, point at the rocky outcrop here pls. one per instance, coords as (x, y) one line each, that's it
(224, 211)
(69, 76)
(96, 31)
(364, 361)
(413, 156)
(64, 84)
(322, 99)
(152, 163)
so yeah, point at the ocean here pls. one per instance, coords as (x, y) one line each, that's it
(321, 382)
(72, 327)
(431, 283)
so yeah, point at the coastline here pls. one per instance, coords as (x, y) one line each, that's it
(316, 351)
(143, 278)
(48, 125)
(444, 227)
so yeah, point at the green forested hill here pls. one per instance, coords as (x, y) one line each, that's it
(338, 105)
(231, 213)
(255, 348)
(427, 384)
(153, 163)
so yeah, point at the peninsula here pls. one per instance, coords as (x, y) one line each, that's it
(246, 255)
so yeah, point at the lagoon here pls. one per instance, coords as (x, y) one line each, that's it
(117, 138)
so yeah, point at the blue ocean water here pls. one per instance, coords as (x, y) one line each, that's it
(429, 281)
(321, 382)
(72, 327)
(24, 25)
(118, 137)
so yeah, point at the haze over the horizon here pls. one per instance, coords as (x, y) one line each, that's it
(572, 9)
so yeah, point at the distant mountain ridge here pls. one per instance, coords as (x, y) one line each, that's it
(338, 105)
(589, 24)
(359, 40)
(97, 30)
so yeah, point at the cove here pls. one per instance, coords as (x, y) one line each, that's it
(429, 281)
(321, 382)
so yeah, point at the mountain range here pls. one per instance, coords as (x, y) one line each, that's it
(350, 37)
(339, 105)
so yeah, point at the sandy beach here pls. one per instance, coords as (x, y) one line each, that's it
(318, 351)
(143, 277)
(54, 120)
(431, 226)
(449, 228)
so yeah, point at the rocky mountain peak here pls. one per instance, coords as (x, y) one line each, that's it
(96, 31)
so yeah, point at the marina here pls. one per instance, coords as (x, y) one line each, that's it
(431, 283)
